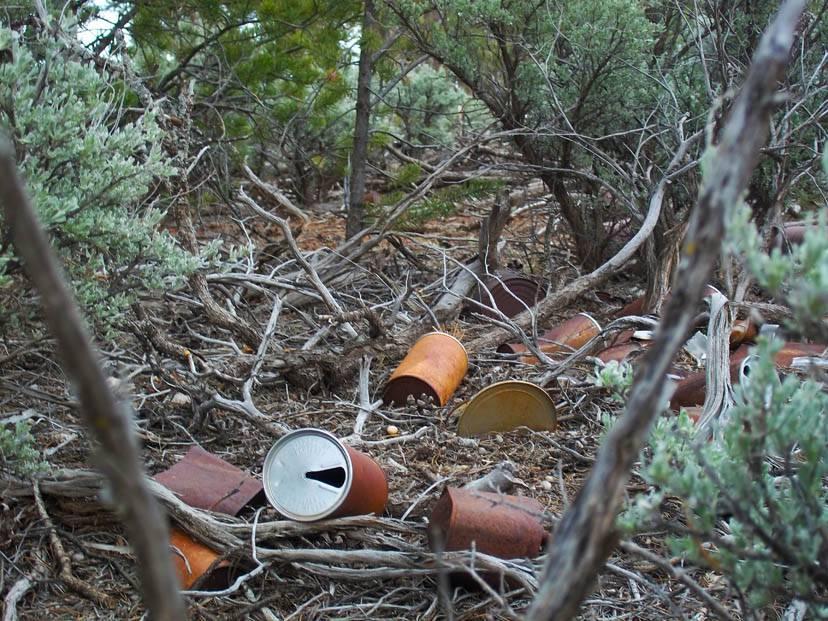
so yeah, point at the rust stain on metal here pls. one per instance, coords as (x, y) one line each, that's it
(623, 351)
(434, 366)
(509, 291)
(497, 524)
(193, 560)
(205, 481)
(505, 406)
(566, 337)
(369, 487)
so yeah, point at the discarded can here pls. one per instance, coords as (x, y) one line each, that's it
(193, 560)
(497, 524)
(636, 307)
(310, 475)
(205, 481)
(622, 351)
(434, 367)
(788, 235)
(509, 291)
(743, 330)
(692, 390)
(568, 336)
(506, 405)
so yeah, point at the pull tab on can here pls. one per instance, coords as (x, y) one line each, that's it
(310, 475)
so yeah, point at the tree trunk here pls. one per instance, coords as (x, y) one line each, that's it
(356, 208)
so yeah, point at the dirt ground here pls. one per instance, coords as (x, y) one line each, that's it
(392, 574)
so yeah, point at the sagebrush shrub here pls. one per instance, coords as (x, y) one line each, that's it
(755, 500)
(89, 164)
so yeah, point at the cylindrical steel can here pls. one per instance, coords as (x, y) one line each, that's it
(309, 475)
(434, 367)
(497, 524)
(568, 336)
(192, 560)
(509, 291)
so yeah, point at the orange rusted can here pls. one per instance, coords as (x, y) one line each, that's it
(310, 475)
(568, 336)
(743, 330)
(692, 390)
(434, 367)
(497, 524)
(623, 351)
(192, 560)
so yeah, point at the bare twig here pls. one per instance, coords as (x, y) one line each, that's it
(272, 191)
(320, 287)
(17, 592)
(72, 581)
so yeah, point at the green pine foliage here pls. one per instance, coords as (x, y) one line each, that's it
(89, 166)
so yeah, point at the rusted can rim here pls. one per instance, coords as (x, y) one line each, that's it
(272, 455)
(592, 319)
(453, 338)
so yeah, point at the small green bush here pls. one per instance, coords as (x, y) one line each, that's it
(88, 165)
(18, 452)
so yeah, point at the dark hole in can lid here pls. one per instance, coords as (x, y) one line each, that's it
(335, 477)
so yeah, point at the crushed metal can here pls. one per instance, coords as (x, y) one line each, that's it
(309, 475)
(205, 481)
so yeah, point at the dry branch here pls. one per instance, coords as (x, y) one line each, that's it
(586, 534)
(567, 295)
(109, 420)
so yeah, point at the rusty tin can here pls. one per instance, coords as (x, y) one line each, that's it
(497, 524)
(509, 291)
(692, 390)
(205, 481)
(788, 235)
(434, 367)
(195, 562)
(310, 475)
(506, 405)
(568, 336)
(623, 351)
(743, 330)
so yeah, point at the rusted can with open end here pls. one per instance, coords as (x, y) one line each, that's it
(788, 235)
(509, 291)
(434, 367)
(568, 336)
(497, 524)
(310, 475)
(196, 563)
(693, 389)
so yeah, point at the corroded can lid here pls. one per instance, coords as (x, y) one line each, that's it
(307, 475)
